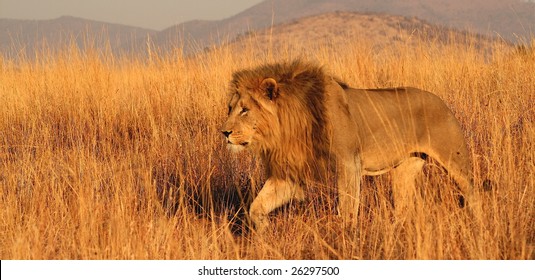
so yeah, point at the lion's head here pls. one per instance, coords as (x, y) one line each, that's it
(277, 111)
(249, 113)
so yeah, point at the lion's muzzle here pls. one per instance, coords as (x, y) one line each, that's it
(234, 141)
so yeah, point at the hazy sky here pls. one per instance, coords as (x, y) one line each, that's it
(154, 14)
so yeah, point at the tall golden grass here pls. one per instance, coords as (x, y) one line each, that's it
(108, 157)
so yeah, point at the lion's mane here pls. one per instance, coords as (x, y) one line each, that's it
(297, 145)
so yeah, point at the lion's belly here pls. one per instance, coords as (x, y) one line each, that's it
(377, 159)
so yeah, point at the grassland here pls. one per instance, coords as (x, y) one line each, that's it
(109, 157)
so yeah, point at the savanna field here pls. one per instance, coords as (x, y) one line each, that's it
(105, 156)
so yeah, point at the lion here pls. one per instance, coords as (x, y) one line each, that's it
(305, 124)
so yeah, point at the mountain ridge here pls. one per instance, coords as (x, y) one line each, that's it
(511, 20)
(30, 35)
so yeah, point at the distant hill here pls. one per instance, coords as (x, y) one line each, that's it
(346, 28)
(18, 37)
(512, 20)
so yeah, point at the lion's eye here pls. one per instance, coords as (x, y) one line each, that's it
(229, 109)
(244, 110)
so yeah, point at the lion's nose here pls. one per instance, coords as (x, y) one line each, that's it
(226, 133)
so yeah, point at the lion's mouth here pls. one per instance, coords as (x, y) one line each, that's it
(237, 147)
(243, 144)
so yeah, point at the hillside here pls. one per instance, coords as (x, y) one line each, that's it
(343, 28)
(512, 20)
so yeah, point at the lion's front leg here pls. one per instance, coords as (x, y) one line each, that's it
(349, 178)
(274, 194)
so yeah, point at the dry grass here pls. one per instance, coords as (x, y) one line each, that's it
(104, 157)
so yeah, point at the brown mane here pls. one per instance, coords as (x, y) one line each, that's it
(299, 145)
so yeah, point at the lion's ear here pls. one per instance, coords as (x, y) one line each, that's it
(270, 88)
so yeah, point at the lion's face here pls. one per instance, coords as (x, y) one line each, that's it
(249, 113)
(241, 127)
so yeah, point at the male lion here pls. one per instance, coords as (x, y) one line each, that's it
(304, 124)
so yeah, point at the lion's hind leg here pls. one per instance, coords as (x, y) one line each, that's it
(274, 194)
(457, 165)
(404, 189)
